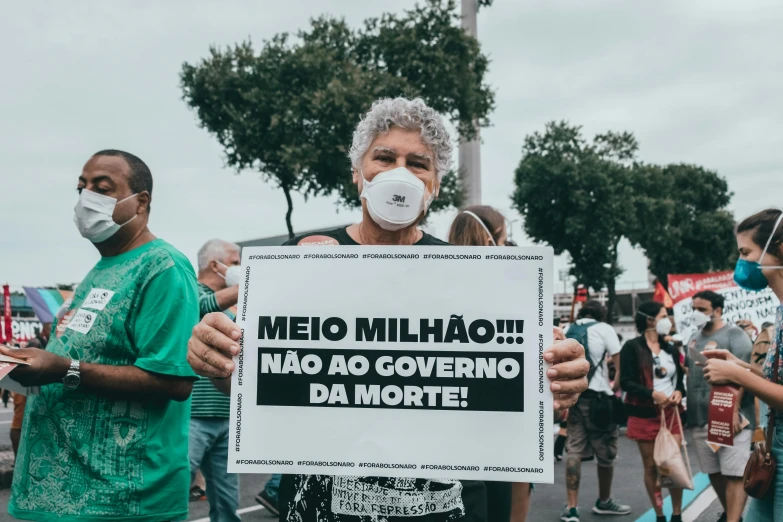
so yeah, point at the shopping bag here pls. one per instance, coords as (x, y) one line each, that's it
(674, 466)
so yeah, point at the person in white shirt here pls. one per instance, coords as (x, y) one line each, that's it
(591, 429)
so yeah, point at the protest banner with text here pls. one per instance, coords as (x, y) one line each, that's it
(758, 307)
(394, 361)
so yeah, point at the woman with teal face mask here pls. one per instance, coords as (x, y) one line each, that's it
(760, 243)
(752, 274)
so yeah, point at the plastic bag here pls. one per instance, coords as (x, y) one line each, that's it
(674, 471)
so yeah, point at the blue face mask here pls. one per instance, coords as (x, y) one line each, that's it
(748, 274)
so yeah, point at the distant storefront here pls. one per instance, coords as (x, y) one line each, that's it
(28, 309)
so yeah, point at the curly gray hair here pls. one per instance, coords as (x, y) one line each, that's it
(405, 114)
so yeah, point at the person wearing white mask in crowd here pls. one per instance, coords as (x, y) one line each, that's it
(401, 150)
(219, 275)
(652, 379)
(726, 466)
(106, 438)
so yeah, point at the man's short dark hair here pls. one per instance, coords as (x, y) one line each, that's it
(715, 299)
(593, 309)
(140, 177)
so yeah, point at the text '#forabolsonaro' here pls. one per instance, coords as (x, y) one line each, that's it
(435, 380)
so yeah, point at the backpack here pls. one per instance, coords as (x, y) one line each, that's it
(578, 332)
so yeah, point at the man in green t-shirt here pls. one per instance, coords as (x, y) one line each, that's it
(218, 283)
(106, 439)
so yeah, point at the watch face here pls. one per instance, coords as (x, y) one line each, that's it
(71, 380)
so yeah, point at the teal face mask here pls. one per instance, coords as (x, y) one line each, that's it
(748, 274)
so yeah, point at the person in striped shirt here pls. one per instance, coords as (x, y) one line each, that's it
(218, 284)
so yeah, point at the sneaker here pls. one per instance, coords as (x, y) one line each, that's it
(197, 494)
(610, 507)
(570, 514)
(268, 502)
(722, 517)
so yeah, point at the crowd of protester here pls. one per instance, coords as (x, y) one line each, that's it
(658, 370)
(113, 433)
(134, 376)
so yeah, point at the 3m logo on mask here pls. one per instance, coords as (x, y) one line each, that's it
(395, 198)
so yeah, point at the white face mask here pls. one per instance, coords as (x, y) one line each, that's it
(700, 318)
(664, 326)
(395, 198)
(93, 216)
(474, 216)
(233, 274)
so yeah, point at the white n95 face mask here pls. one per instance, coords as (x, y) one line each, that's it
(233, 274)
(700, 318)
(663, 327)
(93, 216)
(395, 198)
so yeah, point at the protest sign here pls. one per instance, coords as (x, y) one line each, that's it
(757, 307)
(720, 415)
(419, 362)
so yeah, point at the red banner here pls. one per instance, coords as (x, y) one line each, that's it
(5, 328)
(683, 286)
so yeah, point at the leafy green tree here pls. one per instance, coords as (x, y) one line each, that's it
(289, 110)
(583, 197)
(682, 221)
(575, 196)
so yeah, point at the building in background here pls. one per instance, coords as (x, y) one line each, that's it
(282, 238)
(625, 306)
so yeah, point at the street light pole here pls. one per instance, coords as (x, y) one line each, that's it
(470, 151)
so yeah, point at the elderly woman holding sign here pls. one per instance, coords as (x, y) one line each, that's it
(400, 152)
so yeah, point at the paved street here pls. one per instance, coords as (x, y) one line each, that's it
(547, 500)
(5, 424)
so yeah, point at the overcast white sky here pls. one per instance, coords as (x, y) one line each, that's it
(697, 81)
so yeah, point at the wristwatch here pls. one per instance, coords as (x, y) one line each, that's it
(73, 378)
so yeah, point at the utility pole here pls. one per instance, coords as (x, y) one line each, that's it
(470, 151)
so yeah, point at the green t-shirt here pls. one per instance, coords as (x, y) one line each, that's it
(87, 457)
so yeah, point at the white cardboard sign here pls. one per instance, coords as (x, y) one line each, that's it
(394, 361)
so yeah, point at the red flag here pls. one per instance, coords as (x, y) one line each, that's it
(662, 296)
(581, 294)
(5, 327)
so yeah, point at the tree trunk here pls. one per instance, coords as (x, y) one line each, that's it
(610, 287)
(664, 280)
(287, 192)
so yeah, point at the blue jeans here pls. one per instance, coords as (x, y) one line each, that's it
(763, 410)
(209, 451)
(272, 487)
(770, 508)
